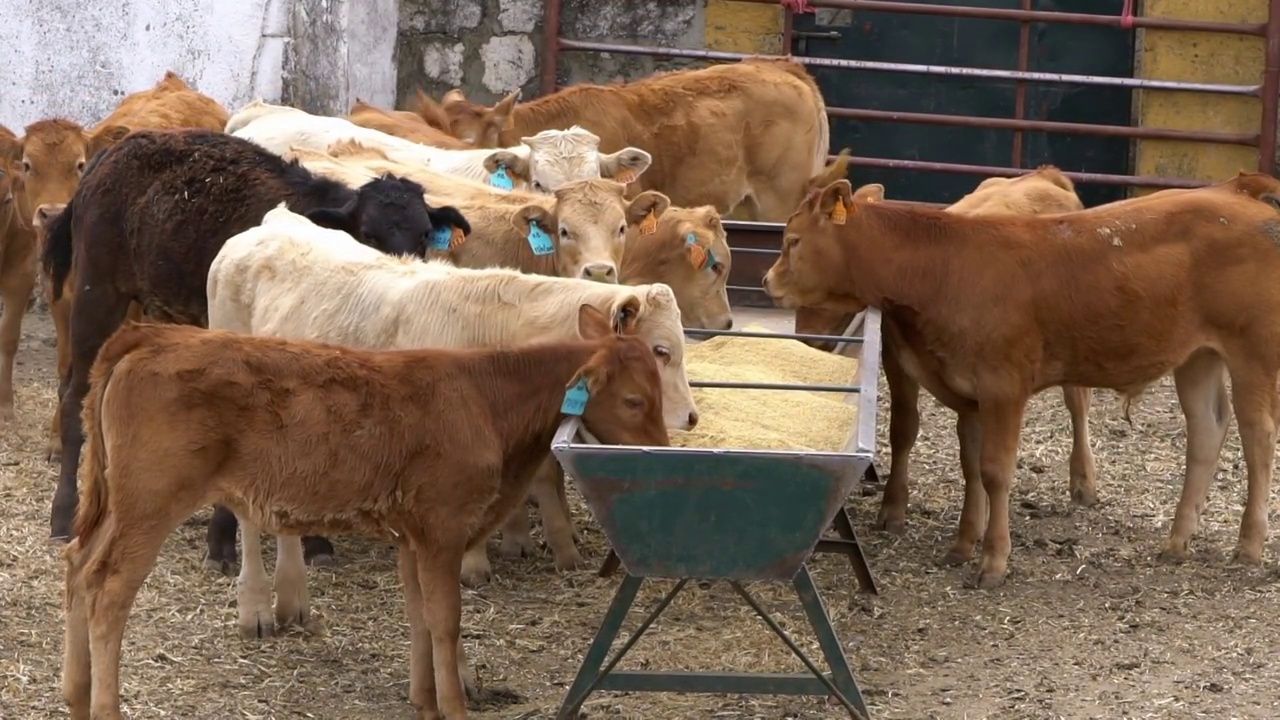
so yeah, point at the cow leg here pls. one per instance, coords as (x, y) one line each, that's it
(563, 498)
(318, 551)
(15, 290)
(253, 594)
(438, 568)
(96, 314)
(1001, 423)
(904, 428)
(293, 601)
(76, 665)
(1084, 472)
(517, 540)
(61, 312)
(422, 679)
(1202, 393)
(557, 528)
(973, 513)
(221, 541)
(476, 570)
(1253, 395)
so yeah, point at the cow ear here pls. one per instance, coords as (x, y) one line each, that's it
(10, 149)
(343, 218)
(625, 316)
(835, 202)
(517, 168)
(646, 208)
(105, 137)
(449, 216)
(625, 165)
(528, 214)
(593, 324)
(453, 96)
(500, 115)
(872, 193)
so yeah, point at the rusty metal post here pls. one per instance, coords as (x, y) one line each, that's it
(788, 27)
(550, 47)
(1020, 94)
(1270, 92)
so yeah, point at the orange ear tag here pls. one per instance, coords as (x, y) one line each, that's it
(697, 256)
(625, 176)
(457, 238)
(649, 225)
(838, 213)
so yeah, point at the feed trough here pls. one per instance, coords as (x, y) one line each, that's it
(724, 514)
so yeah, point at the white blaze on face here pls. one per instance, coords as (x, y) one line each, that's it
(659, 324)
(559, 157)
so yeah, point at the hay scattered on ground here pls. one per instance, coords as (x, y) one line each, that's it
(1088, 626)
(768, 419)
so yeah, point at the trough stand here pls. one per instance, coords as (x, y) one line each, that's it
(707, 515)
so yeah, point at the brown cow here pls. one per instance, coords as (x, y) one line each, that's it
(697, 271)
(17, 269)
(403, 124)
(189, 417)
(147, 221)
(748, 133)
(1040, 192)
(53, 155)
(984, 317)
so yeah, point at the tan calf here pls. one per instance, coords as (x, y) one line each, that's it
(403, 124)
(1183, 283)
(690, 252)
(363, 454)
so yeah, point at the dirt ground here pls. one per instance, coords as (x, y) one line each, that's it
(1088, 625)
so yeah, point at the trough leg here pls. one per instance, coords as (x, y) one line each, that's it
(904, 429)
(610, 626)
(253, 593)
(1084, 472)
(1206, 405)
(973, 513)
(1001, 422)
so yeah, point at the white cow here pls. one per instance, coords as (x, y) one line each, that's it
(541, 163)
(290, 278)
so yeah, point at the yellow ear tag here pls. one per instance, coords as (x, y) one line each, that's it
(649, 225)
(457, 238)
(625, 176)
(698, 256)
(838, 213)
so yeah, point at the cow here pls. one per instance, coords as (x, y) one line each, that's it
(17, 270)
(185, 417)
(53, 154)
(403, 124)
(265, 281)
(542, 162)
(690, 252)
(983, 317)
(746, 134)
(148, 219)
(1042, 191)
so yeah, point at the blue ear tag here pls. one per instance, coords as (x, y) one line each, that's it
(575, 398)
(500, 179)
(440, 237)
(700, 258)
(539, 240)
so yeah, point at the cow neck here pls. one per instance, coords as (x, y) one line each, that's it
(525, 387)
(551, 112)
(896, 257)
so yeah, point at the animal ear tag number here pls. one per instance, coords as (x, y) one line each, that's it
(626, 176)
(701, 257)
(575, 398)
(649, 225)
(839, 213)
(539, 240)
(500, 179)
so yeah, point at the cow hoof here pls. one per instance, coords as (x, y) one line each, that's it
(1084, 497)
(298, 617)
(956, 557)
(476, 577)
(257, 626)
(220, 567)
(570, 561)
(321, 560)
(985, 580)
(516, 547)
(893, 525)
(1242, 556)
(1171, 557)
(53, 453)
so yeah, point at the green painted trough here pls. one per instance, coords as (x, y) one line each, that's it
(725, 514)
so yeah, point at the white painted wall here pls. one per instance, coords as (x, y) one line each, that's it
(76, 59)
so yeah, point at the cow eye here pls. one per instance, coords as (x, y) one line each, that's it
(663, 353)
(537, 186)
(622, 229)
(80, 167)
(26, 166)
(564, 233)
(635, 402)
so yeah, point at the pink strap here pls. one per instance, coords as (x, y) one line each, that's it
(1126, 15)
(797, 6)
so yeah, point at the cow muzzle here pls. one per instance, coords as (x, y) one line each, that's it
(600, 272)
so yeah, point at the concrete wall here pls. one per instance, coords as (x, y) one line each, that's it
(76, 59)
(490, 47)
(1199, 57)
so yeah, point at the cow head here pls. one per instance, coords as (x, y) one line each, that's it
(651, 312)
(7, 177)
(51, 157)
(592, 217)
(625, 399)
(811, 264)
(475, 123)
(389, 213)
(689, 252)
(557, 157)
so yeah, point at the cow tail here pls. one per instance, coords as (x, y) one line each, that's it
(56, 256)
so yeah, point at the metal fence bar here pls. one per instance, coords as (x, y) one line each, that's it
(698, 332)
(774, 386)
(990, 170)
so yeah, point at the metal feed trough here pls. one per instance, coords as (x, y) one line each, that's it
(732, 515)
